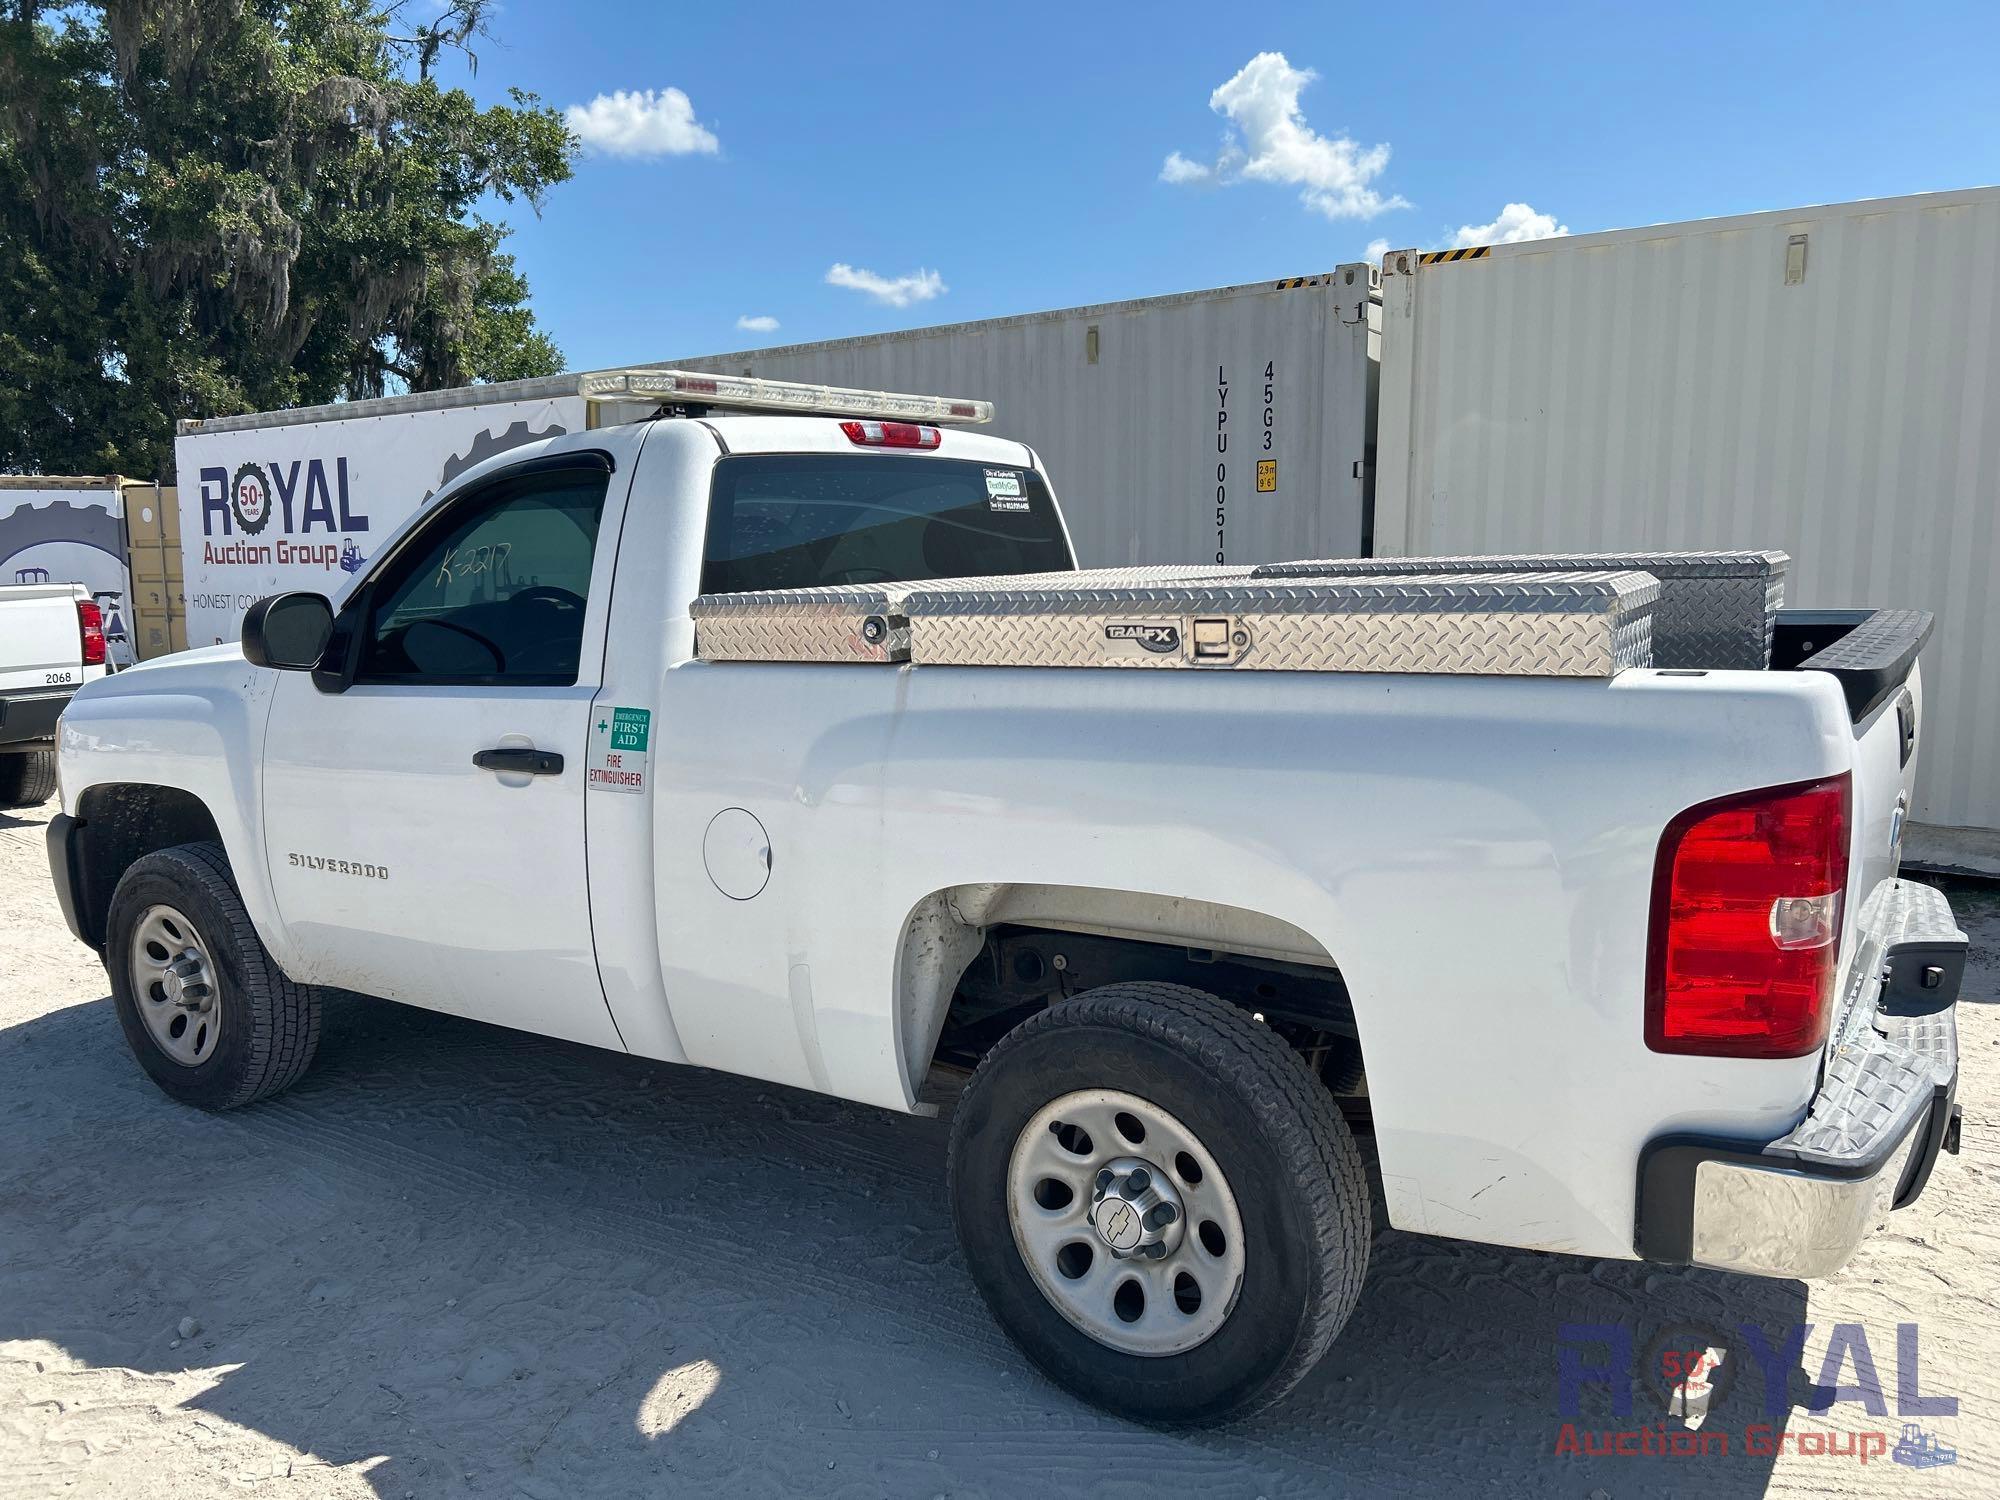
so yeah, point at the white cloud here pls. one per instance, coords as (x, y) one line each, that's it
(1179, 169)
(642, 122)
(1515, 223)
(1269, 141)
(1376, 250)
(897, 291)
(762, 323)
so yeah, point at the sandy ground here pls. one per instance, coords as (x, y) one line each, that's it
(463, 1261)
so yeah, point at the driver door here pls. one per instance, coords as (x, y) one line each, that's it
(425, 827)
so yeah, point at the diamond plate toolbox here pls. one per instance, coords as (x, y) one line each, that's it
(1716, 609)
(855, 623)
(1585, 624)
(866, 622)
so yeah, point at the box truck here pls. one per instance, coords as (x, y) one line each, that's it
(299, 499)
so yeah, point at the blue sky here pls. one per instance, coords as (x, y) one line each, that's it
(1017, 154)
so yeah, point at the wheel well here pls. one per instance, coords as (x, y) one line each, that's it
(979, 960)
(121, 823)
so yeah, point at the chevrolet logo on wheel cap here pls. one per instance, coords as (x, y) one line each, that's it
(1118, 1224)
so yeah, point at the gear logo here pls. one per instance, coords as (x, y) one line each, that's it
(250, 499)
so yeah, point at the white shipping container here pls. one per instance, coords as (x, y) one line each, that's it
(299, 499)
(1825, 380)
(1230, 425)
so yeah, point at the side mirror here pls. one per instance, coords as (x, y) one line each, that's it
(287, 631)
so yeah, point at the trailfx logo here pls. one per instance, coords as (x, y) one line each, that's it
(1159, 639)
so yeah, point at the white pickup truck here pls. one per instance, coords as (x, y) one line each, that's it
(734, 736)
(51, 643)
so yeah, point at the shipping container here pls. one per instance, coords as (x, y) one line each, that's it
(153, 544)
(1824, 380)
(298, 499)
(1220, 426)
(68, 528)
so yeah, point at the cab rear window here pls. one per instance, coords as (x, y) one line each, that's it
(791, 521)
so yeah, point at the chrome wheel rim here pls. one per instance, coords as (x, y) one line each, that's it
(173, 981)
(1125, 1222)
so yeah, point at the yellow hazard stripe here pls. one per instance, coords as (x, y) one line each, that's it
(1292, 282)
(1439, 257)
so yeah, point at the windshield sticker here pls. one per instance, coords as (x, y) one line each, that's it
(1003, 491)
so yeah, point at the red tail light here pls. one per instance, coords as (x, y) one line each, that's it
(891, 434)
(90, 622)
(1746, 923)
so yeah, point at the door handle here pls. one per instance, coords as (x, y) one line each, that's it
(512, 758)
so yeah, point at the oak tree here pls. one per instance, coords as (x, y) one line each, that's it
(215, 206)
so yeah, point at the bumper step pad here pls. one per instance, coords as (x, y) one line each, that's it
(1885, 1069)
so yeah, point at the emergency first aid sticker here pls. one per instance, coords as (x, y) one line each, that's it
(1003, 491)
(619, 741)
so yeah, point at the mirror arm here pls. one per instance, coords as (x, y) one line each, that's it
(342, 656)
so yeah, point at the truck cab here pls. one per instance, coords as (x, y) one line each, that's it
(484, 659)
(1200, 874)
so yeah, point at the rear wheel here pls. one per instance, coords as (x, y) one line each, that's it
(1159, 1202)
(204, 1007)
(27, 778)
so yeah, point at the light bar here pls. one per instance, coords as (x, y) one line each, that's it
(744, 392)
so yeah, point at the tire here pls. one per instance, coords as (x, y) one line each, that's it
(1285, 1162)
(27, 778)
(266, 1027)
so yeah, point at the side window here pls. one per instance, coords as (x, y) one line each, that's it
(492, 589)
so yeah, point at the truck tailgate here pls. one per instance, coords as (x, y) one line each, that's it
(40, 646)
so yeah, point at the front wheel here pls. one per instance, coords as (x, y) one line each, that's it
(204, 1006)
(1159, 1202)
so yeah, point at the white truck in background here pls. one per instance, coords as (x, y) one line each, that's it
(1569, 883)
(51, 643)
